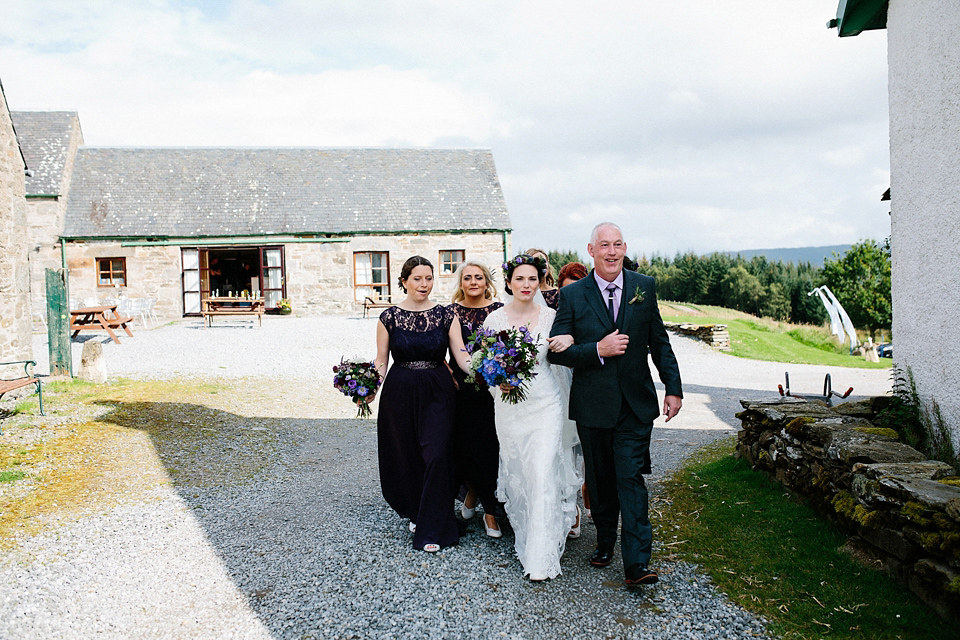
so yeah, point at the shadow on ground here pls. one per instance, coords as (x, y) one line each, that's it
(293, 509)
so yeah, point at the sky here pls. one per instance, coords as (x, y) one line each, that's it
(696, 125)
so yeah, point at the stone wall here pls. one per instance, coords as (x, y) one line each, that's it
(320, 277)
(923, 48)
(715, 335)
(15, 331)
(319, 274)
(901, 510)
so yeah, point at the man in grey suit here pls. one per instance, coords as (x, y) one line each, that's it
(613, 317)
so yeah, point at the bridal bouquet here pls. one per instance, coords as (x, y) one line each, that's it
(507, 356)
(357, 380)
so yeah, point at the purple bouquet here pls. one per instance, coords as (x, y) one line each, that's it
(357, 380)
(507, 356)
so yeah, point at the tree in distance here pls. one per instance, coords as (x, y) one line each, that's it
(860, 279)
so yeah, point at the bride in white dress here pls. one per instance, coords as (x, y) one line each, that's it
(540, 459)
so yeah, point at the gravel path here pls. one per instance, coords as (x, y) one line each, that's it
(310, 550)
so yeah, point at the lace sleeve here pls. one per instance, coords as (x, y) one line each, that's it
(448, 316)
(388, 319)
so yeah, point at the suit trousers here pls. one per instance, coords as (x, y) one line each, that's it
(615, 461)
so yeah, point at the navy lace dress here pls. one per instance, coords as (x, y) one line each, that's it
(415, 424)
(552, 298)
(476, 450)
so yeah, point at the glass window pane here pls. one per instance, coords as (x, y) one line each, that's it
(191, 303)
(191, 280)
(272, 279)
(190, 259)
(271, 258)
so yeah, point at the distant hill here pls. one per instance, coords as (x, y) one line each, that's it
(814, 255)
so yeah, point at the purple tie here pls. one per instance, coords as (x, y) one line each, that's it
(611, 309)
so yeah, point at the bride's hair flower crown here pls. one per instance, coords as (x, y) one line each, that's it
(538, 263)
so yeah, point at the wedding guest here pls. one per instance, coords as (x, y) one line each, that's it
(548, 286)
(475, 446)
(570, 273)
(417, 405)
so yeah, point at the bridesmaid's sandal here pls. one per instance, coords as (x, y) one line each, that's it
(431, 548)
(575, 531)
(413, 527)
(494, 531)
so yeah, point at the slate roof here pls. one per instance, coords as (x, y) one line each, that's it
(232, 192)
(45, 139)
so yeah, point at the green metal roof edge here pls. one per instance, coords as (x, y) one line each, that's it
(857, 16)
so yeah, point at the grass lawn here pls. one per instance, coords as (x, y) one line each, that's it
(778, 558)
(765, 339)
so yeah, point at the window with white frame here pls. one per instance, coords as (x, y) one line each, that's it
(371, 275)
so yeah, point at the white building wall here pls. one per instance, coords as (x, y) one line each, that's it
(924, 91)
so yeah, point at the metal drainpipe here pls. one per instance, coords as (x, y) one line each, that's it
(505, 256)
(63, 265)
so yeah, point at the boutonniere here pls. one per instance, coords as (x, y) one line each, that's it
(637, 296)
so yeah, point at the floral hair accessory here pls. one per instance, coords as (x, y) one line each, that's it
(537, 262)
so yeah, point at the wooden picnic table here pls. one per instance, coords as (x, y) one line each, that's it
(103, 317)
(226, 306)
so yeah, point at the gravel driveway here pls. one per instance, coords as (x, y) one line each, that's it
(310, 549)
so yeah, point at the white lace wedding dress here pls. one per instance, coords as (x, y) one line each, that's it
(540, 459)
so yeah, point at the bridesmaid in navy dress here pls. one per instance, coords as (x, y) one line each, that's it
(417, 404)
(475, 445)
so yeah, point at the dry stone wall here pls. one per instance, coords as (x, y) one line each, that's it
(901, 510)
(715, 335)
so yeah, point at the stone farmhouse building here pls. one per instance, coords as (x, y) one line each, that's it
(323, 228)
(15, 329)
(923, 56)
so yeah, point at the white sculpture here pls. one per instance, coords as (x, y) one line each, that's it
(840, 324)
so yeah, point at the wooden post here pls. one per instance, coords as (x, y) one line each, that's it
(58, 324)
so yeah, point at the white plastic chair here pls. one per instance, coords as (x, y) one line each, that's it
(151, 304)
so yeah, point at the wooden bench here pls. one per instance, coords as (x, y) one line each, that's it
(27, 379)
(370, 303)
(231, 307)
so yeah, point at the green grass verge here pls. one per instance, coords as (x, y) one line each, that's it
(778, 558)
(763, 339)
(11, 476)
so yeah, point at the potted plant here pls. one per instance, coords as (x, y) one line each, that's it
(283, 307)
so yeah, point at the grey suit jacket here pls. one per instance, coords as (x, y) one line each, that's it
(597, 388)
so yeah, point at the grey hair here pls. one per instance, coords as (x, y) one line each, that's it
(603, 225)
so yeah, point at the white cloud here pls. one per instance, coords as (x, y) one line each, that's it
(701, 125)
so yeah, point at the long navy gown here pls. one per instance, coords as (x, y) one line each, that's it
(415, 424)
(475, 447)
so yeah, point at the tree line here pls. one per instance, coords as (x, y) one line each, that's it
(860, 279)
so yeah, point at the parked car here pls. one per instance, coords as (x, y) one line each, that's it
(885, 350)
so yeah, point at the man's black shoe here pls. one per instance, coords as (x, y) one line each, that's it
(601, 557)
(640, 574)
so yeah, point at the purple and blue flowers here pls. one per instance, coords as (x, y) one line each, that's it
(357, 380)
(503, 357)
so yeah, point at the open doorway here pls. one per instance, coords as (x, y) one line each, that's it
(232, 271)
